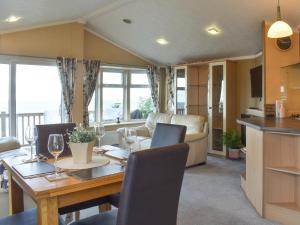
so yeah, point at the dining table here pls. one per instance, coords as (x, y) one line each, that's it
(49, 196)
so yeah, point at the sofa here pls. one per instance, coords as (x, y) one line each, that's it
(196, 135)
(6, 144)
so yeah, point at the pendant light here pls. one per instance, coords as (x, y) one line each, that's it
(279, 29)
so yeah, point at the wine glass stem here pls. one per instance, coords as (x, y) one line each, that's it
(99, 141)
(31, 151)
(55, 165)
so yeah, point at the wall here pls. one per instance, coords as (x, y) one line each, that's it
(69, 40)
(244, 99)
(290, 80)
(274, 59)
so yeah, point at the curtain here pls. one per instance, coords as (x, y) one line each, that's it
(67, 71)
(170, 89)
(91, 71)
(153, 78)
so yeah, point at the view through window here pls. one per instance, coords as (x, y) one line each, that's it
(4, 93)
(122, 93)
(34, 98)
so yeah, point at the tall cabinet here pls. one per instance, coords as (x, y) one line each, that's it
(191, 83)
(221, 103)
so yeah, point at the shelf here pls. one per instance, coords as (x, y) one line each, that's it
(217, 128)
(287, 205)
(289, 170)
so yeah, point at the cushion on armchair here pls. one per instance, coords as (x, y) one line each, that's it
(8, 143)
(193, 123)
(154, 118)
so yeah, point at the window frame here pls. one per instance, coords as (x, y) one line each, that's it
(126, 85)
(13, 61)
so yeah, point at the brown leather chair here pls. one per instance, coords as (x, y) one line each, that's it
(43, 132)
(151, 189)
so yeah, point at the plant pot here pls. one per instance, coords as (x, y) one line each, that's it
(82, 152)
(234, 153)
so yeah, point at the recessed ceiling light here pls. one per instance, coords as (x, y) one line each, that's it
(128, 21)
(12, 19)
(162, 41)
(213, 30)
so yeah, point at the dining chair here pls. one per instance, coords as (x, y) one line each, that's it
(167, 134)
(151, 189)
(28, 217)
(43, 132)
(164, 135)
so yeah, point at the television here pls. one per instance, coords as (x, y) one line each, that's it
(256, 82)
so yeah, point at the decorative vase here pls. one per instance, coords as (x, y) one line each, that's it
(82, 152)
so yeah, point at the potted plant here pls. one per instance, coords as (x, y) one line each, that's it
(81, 142)
(232, 141)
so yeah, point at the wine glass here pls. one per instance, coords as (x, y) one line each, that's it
(30, 137)
(99, 131)
(55, 147)
(130, 137)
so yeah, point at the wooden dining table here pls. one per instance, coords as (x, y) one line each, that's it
(50, 196)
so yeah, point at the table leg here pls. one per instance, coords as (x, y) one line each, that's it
(47, 211)
(15, 196)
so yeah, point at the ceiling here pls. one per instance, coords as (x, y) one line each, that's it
(181, 22)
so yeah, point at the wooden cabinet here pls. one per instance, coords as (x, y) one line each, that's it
(197, 90)
(272, 179)
(191, 89)
(221, 103)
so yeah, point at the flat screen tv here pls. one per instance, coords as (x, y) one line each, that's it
(256, 82)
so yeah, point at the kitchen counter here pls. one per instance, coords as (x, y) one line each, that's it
(286, 125)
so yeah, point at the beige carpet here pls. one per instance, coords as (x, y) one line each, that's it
(211, 195)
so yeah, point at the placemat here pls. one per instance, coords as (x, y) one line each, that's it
(68, 163)
(28, 170)
(93, 173)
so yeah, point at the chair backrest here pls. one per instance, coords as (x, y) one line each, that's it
(167, 134)
(43, 132)
(152, 185)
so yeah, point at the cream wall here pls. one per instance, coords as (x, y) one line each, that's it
(244, 99)
(69, 40)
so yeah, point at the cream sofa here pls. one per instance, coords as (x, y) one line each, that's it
(196, 135)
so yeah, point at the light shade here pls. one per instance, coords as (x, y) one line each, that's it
(280, 29)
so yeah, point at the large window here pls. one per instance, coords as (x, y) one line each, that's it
(122, 93)
(4, 98)
(30, 92)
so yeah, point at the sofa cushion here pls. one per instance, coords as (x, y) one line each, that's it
(8, 143)
(193, 123)
(154, 118)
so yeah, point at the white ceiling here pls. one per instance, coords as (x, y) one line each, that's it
(181, 22)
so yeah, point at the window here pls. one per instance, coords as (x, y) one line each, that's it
(140, 96)
(122, 93)
(38, 96)
(30, 91)
(180, 91)
(4, 93)
(112, 96)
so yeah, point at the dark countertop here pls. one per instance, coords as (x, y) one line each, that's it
(286, 125)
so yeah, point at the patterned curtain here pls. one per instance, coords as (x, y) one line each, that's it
(67, 71)
(170, 89)
(153, 78)
(91, 71)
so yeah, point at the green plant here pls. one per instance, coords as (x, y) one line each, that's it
(231, 139)
(146, 106)
(81, 135)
